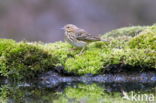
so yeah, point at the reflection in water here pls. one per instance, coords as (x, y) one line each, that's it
(79, 93)
(51, 79)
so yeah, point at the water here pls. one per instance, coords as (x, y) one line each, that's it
(86, 89)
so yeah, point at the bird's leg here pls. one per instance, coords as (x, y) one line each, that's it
(82, 50)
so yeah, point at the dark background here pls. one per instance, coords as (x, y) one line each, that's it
(41, 20)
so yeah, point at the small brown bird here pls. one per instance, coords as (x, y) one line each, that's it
(78, 37)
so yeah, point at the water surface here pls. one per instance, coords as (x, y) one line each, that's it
(85, 91)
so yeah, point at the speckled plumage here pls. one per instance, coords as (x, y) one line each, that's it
(78, 37)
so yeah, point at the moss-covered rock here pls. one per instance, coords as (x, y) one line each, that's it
(20, 60)
(60, 50)
(143, 58)
(126, 31)
(146, 39)
(132, 46)
(89, 62)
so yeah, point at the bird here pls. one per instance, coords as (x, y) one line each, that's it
(78, 37)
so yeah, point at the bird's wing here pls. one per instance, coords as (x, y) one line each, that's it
(85, 36)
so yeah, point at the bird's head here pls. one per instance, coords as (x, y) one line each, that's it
(70, 28)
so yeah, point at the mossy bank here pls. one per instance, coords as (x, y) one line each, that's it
(129, 47)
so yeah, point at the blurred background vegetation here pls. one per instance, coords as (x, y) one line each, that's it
(41, 20)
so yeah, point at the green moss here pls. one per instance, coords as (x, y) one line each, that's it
(6, 44)
(23, 60)
(60, 50)
(89, 62)
(146, 39)
(126, 31)
(143, 58)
